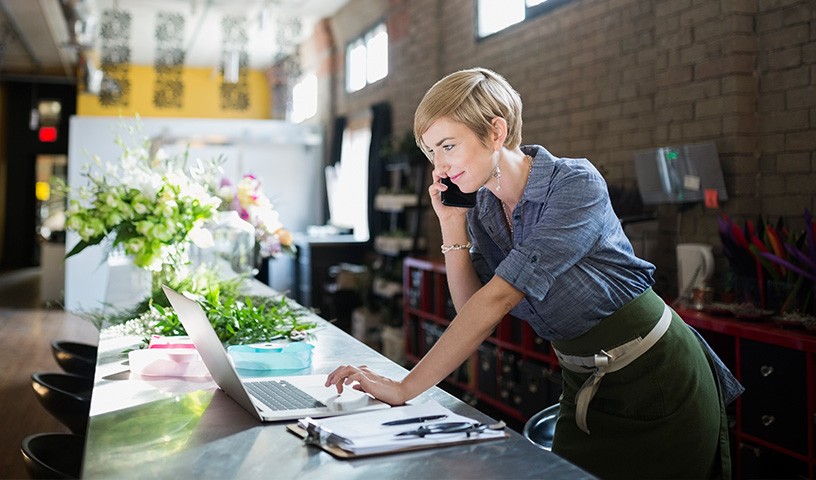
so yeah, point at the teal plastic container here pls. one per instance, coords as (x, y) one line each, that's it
(272, 356)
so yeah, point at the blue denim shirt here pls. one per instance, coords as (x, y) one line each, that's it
(569, 254)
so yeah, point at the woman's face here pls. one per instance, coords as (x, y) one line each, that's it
(458, 153)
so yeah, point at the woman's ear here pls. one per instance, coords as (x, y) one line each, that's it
(499, 132)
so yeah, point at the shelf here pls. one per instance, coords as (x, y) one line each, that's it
(394, 202)
(386, 288)
(761, 331)
(396, 245)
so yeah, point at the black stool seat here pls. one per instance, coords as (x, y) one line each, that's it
(67, 397)
(75, 357)
(540, 428)
(53, 455)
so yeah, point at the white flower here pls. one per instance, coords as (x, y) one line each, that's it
(201, 237)
(161, 156)
(267, 219)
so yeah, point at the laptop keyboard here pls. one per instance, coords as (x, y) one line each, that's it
(282, 395)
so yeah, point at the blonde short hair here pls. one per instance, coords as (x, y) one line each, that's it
(473, 97)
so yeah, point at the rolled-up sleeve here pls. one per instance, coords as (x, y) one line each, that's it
(564, 229)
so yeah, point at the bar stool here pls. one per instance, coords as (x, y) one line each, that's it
(66, 396)
(75, 357)
(540, 428)
(53, 455)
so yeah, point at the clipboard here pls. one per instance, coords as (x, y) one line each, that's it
(338, 452)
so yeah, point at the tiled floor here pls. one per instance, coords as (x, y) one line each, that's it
(26, 333)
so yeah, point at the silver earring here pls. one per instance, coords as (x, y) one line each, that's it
(497, 175)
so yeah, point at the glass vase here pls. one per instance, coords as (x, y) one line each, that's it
(233, 245)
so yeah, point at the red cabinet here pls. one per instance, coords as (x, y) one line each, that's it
(773, 421)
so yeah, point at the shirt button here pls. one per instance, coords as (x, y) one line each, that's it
(534, 258)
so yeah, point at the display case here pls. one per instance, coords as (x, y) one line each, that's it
(514, 371)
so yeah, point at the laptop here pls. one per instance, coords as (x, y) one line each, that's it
(269, 399)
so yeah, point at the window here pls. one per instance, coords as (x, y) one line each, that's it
(347, 181)
(304, 99)
(496, 15)
(367, 59)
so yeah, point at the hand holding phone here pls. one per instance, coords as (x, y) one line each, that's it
(453, 197)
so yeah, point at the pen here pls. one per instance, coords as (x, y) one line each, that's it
(407, 421)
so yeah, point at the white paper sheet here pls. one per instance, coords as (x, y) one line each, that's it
(364, 433)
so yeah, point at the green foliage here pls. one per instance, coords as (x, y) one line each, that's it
(237, 318)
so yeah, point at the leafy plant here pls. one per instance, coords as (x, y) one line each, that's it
(237, 318)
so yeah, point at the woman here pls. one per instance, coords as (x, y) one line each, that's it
(643, 395)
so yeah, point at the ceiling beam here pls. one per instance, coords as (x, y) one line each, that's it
(58, 27)
(15, 26)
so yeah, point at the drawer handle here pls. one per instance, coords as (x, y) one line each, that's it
(766, 370)
(767, 420)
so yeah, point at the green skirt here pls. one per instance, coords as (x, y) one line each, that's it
(662, 416)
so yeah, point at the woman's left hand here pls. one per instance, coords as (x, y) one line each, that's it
(381, 388)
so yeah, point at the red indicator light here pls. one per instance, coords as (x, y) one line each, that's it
(48, 134)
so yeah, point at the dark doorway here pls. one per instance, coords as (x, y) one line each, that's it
(34, 126)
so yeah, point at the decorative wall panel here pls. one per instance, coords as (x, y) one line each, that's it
(235, 60)
(168, 89)
(114, 34)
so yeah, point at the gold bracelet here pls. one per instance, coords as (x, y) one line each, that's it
(455, 246)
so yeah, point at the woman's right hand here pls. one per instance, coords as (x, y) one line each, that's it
(443, 212)
(364, 379)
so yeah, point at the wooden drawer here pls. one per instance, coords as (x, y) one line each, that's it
(774, 405)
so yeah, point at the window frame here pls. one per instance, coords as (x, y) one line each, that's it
(529, 14)
(365, 37)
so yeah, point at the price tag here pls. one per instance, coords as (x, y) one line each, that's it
(711, 198)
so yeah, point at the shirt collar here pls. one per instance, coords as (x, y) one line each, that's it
(540, 176)
(490, 212)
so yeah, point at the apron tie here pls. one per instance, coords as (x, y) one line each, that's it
(607, 362)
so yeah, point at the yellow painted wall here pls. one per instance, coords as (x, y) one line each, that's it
(201, 98)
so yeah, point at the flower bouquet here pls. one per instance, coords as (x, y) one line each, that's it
(253, 206)
(153, 206)
(149, 204)
(779, 263)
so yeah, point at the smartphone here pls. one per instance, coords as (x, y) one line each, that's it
(453, 197)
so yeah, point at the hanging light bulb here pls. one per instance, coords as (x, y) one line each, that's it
(232, 66)
(263, 20)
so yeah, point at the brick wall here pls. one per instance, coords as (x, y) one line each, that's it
(604, 79)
